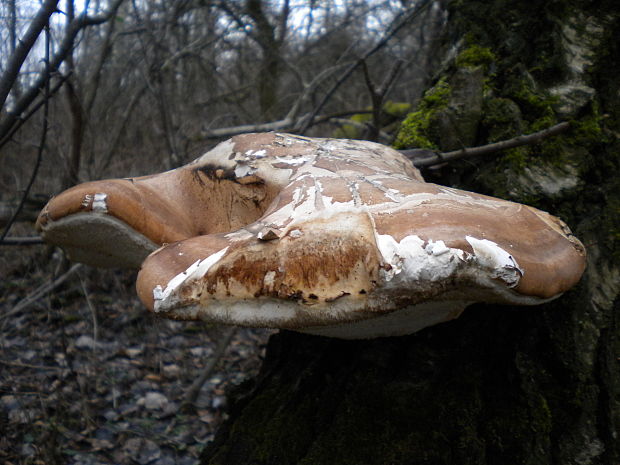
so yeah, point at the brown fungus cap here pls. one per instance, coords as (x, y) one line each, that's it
(335, 237)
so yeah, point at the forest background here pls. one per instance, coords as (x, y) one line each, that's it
(100, 89)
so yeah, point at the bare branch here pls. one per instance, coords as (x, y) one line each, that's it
(23, 49)
(245, 128)
(424, 157)
(377, 97)
(288, 123)
(188, 403)
(32, 111)
(40, 292)
(404, 19)
(34, 240)
(385, 86)
(64, 48)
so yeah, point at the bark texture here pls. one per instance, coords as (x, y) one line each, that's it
(500, 384)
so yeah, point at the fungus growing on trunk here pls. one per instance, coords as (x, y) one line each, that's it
(340, 238)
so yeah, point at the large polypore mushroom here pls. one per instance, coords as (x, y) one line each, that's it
(334, 237)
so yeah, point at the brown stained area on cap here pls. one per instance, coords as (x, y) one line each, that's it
(326, 265)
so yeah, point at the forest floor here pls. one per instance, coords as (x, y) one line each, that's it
(88, 376)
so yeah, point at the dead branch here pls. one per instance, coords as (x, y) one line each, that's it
(191, 395)
(33, 109)
(422, 158)
(8, 78)
(403, 20)
(34, 240)
(287, 124)
(115, 137)
(40, 292)
(29, 213)
(377, 97)
(64, 48)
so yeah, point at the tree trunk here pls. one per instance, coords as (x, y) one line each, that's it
(499, 385)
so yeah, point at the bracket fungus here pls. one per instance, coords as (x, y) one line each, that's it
(334, 237)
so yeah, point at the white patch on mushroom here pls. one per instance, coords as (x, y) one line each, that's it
(269, 279)
(292, 161)
(165, 298)
(355, 193)
(502, 265)
(99, 203)
(410, 261)
(242, 170)
(436, 248)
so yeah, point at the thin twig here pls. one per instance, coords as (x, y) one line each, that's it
(284, 124)
(28, 365)
(191, 395)
(40, 292)
(437, 158)
(64, 47)
(377, 97)
(414, 12)
(26, 43)
(34, 240)
(23, 119)
(93, 313)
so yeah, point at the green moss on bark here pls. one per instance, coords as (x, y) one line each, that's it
(417, 130)
(475, 55)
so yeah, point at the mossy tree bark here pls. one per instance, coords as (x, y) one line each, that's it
(499, 385)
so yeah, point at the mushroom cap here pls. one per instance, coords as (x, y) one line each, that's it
(335, 237)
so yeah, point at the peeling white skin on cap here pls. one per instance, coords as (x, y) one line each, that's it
(87, 200)
(292, 161)
(491, 256)
(413, 263)
(242, 170)
(99, 203)
(410, 261)
(269, 278)
(436, 248)
(166, 299)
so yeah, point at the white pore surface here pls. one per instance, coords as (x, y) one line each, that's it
(404, 321)
(99, 240)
